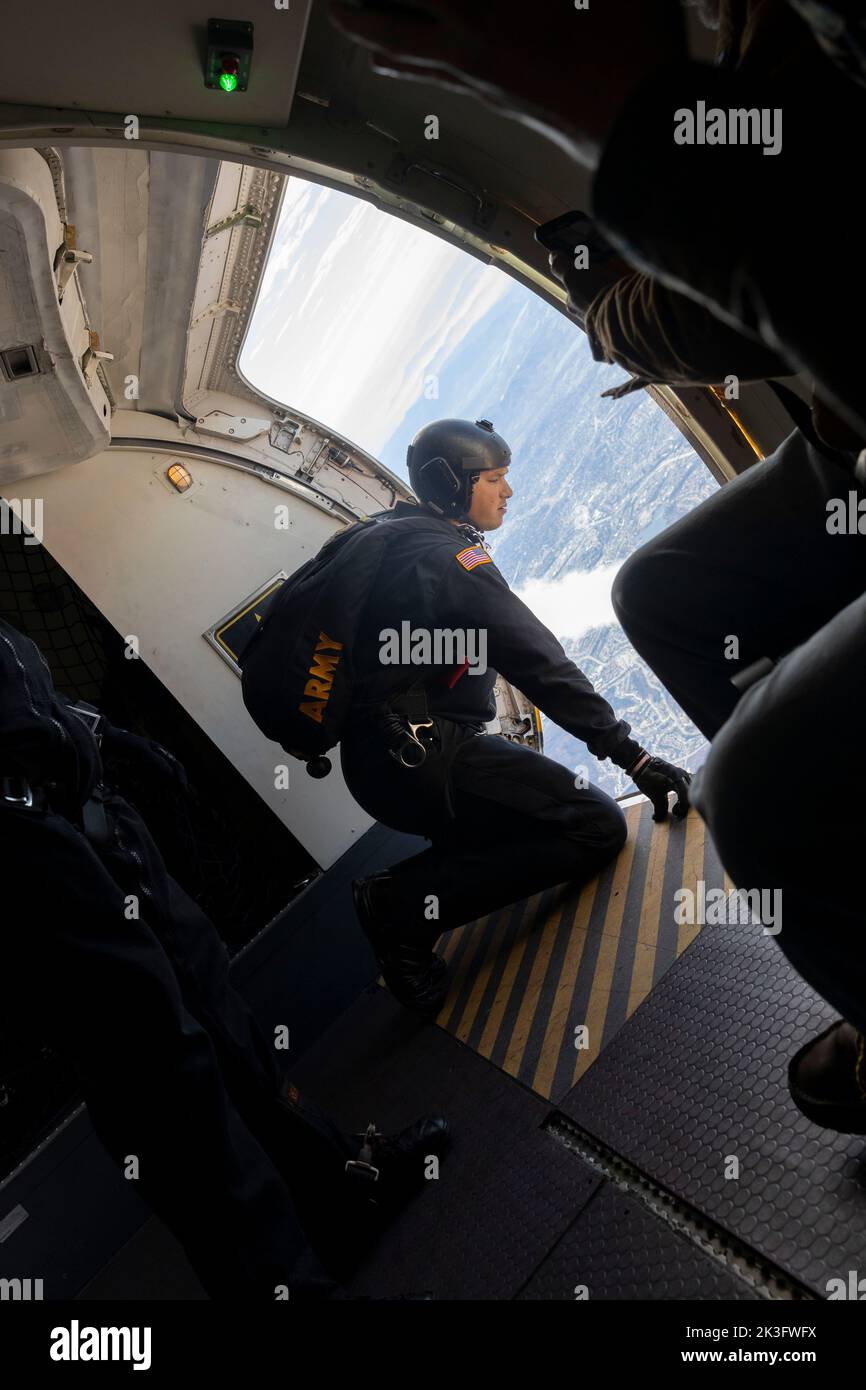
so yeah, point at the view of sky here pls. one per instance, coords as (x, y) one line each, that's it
(356, 309)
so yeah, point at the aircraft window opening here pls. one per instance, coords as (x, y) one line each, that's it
(374, 327)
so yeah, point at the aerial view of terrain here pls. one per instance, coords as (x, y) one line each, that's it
(592, 480)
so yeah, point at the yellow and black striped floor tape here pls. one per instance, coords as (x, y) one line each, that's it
(539, 988)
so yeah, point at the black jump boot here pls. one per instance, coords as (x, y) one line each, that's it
(827, 1079)
(351, 1196)
(393, 1168)
(413, 974)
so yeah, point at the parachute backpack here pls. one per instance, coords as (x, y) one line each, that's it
(297, 669)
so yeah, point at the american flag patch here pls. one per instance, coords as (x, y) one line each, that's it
(475, 555)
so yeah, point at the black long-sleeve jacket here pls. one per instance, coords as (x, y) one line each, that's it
(437, 576)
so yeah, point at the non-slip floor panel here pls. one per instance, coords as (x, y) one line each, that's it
(693, 1092)
(152, 1266)
(616, 1249)
(66, 1212)
(506, 1192)
(487, 1227)
(525, 979)
(380, 1062)
(313, 960)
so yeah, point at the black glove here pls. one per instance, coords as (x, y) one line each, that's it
(656, 779)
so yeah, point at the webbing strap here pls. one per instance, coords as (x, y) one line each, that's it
(412, 703)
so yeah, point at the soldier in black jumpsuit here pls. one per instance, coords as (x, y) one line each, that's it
(129, 978)
(764, 560)
(504, 821)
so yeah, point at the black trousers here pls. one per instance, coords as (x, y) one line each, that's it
(504, 822)
(781, 788)
(129, 977)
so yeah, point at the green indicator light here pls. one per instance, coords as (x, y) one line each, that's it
(229, 55)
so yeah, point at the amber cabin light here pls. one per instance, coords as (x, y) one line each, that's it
(179, 477)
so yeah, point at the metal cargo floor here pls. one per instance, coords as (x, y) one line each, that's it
(610, 1186)
(514, 1214)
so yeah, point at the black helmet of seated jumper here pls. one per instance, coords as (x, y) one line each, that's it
(445, 459)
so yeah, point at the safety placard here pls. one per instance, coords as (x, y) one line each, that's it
(230, 634)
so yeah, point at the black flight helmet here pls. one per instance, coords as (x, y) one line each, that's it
(445, 459)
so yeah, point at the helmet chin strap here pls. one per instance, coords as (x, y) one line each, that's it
(463, 521)
(471, 532)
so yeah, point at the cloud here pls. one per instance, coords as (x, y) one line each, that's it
(573, 603)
